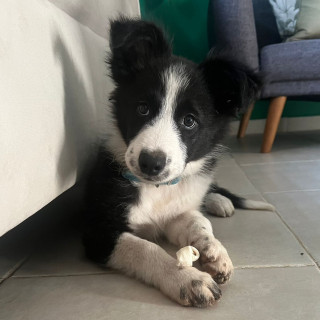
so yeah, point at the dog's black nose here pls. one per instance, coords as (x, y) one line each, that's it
(152, 163)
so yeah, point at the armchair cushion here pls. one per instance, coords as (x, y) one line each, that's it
(291, 61)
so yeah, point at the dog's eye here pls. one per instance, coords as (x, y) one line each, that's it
(189, 121)
(143, 109)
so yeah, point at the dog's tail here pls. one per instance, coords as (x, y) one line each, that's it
(242, 203)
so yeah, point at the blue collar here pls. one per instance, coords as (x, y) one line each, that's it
(132, 178)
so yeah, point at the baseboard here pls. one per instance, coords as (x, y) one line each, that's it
(286, 125)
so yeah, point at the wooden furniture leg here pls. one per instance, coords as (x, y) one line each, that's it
(274, 115)
(244, 122)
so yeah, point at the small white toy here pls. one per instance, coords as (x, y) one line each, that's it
(187, 255)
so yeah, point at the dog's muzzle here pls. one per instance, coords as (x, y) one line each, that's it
(152, 163)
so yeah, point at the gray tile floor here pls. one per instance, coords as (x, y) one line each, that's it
(44, 274)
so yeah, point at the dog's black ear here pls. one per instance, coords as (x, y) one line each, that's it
(231, 86)
(134, 44)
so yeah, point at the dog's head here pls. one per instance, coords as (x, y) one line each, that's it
(171, 112)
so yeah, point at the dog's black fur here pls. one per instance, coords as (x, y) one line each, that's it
(108, 194)
(216, 92)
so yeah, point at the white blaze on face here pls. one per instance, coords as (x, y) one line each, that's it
(162, 134)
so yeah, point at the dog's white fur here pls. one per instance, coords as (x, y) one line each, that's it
(219, 205)
(174, 78)
(160, 205)
(151, 264)
(172, 211)
(162, 134)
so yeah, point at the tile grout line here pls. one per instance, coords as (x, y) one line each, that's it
(295, 236)
(245, 267)
(290, 191)
(244, 173)
(15, 268)
(275, 162)
(274, 266)
(66, 275)
(317, 265)
(298, 239)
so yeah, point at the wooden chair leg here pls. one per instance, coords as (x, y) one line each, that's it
(244, 122)
(272, 123)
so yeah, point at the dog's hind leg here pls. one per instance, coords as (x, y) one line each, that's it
(218, 205)
(150, 263)
(221, 202)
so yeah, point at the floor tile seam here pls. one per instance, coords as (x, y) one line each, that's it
(13, 269)
(295, 235)
(275, 266)
(276, 162)
(239, 167)
(291, 191)
(63, 275)
(247, 194)
(245, 174)
(282, 220)
(227, 166)
(244, 267)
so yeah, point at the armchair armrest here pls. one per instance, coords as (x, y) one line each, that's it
(234, 30)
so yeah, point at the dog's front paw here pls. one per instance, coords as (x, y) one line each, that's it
(218, 205)
(214, 259)
(191, 287)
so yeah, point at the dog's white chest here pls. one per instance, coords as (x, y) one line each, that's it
(158, 205)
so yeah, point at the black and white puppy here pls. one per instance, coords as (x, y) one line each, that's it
(155, 172)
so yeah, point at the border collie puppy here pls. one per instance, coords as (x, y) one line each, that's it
(155, 172)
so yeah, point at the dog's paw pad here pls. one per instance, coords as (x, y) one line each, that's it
(195, 288)
(215, 260)
(203, 294)
(222, 278)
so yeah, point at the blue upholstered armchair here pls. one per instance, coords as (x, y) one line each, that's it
(247, 30)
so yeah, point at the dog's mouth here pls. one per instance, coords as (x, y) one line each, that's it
(163, 179)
